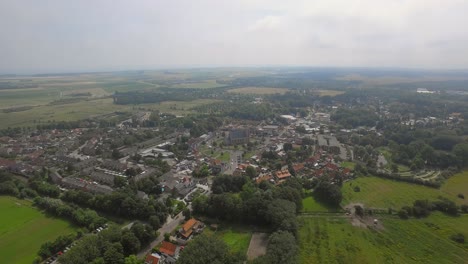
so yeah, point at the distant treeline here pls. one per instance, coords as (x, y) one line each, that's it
(16, 85)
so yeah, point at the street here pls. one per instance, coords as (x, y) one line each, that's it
(170, 224)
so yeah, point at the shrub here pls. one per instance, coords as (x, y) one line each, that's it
(461, 196)
(459, 238)
(357, 189)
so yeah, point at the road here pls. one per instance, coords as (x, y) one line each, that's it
(170, 225)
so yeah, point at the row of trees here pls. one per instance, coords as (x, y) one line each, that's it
(111, 246)
(423, 208)
(81, 217)
(122, 203)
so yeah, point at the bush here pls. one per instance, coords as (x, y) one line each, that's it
(464, 208)
(459, 238)
(403, 214)
(461, 196)
(357, 189)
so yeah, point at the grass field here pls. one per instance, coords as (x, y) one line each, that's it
(258, 90)
(348, 164)
(23, 229)
(384, 193)
(236, 237)
(88, 108)
(335, 240)
(309, 204)
(455, 185)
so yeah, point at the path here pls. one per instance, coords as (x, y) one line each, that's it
(170, 225)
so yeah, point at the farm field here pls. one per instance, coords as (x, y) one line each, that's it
(258, 90)
(86, 109)
(385, 193)
(329, 92)
(23, 229)
(335, 240)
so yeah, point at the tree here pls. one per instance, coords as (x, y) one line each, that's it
(113, 256)
(130, 243)
(132, 259)
(282, 215)
(251, 172)
(328, 193)
(187, 213)
(282, 248)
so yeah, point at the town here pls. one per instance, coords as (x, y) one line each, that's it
(158, 180)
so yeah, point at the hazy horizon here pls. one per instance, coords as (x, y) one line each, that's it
(94, 36)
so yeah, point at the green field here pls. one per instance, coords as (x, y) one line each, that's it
(455, 185)
(23, 229)
(88, 108)
(309, 204)
(384, 193)
(348, 164)
(236, 237)
(335, 240)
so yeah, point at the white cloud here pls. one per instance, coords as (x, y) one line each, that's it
(61, 35)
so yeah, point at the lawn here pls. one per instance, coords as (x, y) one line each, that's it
(23, 229)
(237, 238)
(455, 185)
(309, 204)
(335, 240)
(385, 193)
(348, 164)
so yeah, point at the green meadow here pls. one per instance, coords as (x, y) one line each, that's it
(23, 229)
(335, 240)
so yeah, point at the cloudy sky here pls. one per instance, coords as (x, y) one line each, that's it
(82, 35)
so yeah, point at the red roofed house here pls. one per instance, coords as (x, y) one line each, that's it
(265, 177)
(189, 227)
(168, 248)
(152, 259)
(282, 174)
(298, 168)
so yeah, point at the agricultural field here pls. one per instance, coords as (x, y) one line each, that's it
(199, 85)
(23, 229)
(329, 92)
(83, 109)
(457, 184)
(258, 90)
(335, 240)
(384, 193)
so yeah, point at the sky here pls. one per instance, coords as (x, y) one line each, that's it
(66, 35)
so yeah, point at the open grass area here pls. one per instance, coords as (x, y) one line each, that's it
(335, 240)
(236, 237)
(384, 193)
(348, 164)
(309, 204)
(23, 229)
(457, 184)
(258, 90)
